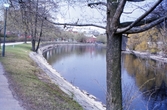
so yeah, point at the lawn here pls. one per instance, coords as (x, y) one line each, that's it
(31, 86)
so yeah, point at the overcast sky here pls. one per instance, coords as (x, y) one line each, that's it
(2, 2)
(81, 13)
(84, 14)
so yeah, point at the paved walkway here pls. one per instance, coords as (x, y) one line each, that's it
(7, 101)
(13, 43)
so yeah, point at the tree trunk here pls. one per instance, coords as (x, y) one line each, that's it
(25, 40)
(33, 40)
(35, 29)
(33, 44)
(40, 35)
(39, 41)
(113, 59)
(113, 56)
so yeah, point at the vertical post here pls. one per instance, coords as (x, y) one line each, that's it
(3, 48)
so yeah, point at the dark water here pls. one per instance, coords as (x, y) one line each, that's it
(144, 82)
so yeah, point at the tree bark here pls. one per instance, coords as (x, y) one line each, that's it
(33, 40)
(25, 40)
(39, 41)
(40, 35)
(33, 44)
(34, 29)
(113, 59)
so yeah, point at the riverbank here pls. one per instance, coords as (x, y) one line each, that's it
(86, 100)
(147, 55)
(30, 85)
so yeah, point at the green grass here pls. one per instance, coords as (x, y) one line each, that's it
(30, 84)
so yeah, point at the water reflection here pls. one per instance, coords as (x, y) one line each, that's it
(63, 51)
(83, 66)
(151, 80)
(144, 82)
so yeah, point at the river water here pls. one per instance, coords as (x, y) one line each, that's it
(144, 82)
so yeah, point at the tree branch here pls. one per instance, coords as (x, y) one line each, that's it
(143, 22)
(146, 27)
(130, 12)
(74, 24)
(97, 3)
(140, 18)
(119, 11)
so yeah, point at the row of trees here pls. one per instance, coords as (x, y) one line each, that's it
(153, 41)
(37, 13)
(139, 42)
(28, 17)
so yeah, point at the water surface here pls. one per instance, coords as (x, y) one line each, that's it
(143, 81)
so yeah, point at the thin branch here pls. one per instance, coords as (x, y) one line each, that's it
(146, 27)
(140, 18)
(130, 12)
(97, 3)
(143, 22)
(139, 7)
(74, 24)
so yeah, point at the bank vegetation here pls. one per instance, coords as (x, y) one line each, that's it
(31, 86)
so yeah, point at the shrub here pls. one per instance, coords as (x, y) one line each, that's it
(102, 39)
(142, 46)
(153, 50)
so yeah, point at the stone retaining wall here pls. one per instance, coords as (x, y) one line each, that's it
(86, 100)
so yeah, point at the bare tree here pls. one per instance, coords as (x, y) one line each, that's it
(114, 34)
(114, 31)
(33, 16)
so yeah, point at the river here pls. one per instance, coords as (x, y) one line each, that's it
(144, 82)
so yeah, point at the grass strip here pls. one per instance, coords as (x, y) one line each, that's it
(31, 85)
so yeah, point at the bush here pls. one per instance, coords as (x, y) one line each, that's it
(153, 50)
(102, 39)
(143, 46)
